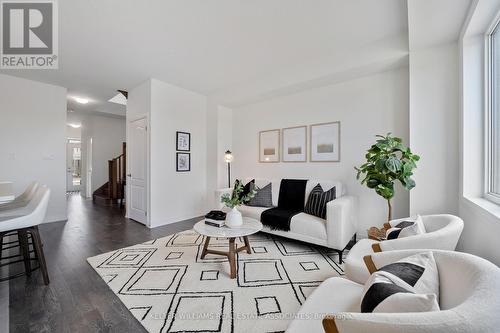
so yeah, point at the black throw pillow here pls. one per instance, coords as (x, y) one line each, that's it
(317, 200)
(246, 189)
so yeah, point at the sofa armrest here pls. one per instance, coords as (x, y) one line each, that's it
(341, 221)
(218, 195)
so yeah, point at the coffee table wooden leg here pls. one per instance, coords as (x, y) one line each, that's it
(205, 246)
(232, 257)
(247, 244)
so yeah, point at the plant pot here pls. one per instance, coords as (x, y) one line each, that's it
(234, 218)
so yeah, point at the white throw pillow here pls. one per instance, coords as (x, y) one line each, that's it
(408, 285)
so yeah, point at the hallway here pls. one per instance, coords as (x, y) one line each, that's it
(77, 299)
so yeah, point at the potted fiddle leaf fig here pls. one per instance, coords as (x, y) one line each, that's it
(388, 161)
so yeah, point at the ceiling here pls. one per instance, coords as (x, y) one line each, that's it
(213, 47)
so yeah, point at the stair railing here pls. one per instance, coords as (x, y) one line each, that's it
(117, 175)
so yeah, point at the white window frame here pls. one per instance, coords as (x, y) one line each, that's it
(488, 194)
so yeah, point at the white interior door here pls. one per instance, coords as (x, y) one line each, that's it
(137, 155)
(73, 165)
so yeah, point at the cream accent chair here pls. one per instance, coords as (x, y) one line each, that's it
(442, 233)
(469, 289)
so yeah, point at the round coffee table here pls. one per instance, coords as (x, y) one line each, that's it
(250, 226)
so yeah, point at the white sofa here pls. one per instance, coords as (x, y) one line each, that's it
(335, 232)
(442, 233)
(468, 292)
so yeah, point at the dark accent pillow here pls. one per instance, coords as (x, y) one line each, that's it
(317, 200)
(246, 189)
(263, 197)
(393, 234)
(292, 194)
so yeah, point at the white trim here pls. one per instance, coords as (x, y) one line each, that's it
(488, 95)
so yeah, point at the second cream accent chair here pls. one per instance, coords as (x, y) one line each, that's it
(442, 233)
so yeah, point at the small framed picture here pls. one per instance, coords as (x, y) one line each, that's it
(325, 142)
(183, 141)
(269, 146)
(183, 162)
(294, 144)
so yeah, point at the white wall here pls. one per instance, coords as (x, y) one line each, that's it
(74, 133)
(176, 196)
(173, 196)
(371, 105)
(224, 143)
(434, 119)
(108, 134)
(481, 217)
(33, 138)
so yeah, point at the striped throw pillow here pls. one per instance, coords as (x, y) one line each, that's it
(317, 200)
(408, 285)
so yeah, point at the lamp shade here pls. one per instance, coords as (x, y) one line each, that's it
(228, 156)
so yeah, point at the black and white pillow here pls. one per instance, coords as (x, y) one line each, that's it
(408, 285)
(406, 228)
(263, 197)
(317, 200)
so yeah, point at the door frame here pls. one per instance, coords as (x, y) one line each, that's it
(130, 120)
(69, 155)
(88, 168)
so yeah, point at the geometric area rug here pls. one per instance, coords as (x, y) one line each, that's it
(168, 288)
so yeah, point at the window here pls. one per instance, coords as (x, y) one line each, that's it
(493, 119)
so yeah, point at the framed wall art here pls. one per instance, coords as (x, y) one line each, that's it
(325, 142)
(183, 141)
(269, 146)
(183, 163)
(294, 144)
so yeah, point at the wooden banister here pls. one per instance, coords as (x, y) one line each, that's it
(117, 178)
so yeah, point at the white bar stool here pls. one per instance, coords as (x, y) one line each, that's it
(26, 225)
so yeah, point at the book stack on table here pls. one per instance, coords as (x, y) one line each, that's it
(215, 218)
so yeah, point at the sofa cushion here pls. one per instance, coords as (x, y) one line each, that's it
(302, 223)
(309, 225)
(317, 200)
(252, 212)
(263, 197)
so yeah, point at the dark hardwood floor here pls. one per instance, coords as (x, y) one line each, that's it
(77, 299)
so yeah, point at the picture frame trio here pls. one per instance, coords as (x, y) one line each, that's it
(183, 154)
(291, 144)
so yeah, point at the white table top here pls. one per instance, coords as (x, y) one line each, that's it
(6, 192)
(250, 226)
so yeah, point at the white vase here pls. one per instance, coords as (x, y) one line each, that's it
(234, 218)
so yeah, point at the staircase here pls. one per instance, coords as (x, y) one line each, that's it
(113, 191)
